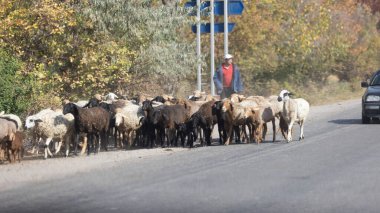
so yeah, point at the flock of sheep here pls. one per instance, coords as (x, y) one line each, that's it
(150, 122)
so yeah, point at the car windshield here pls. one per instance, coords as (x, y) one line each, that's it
(375, 81)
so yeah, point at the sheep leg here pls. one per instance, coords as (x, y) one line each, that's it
(129, 138)
(67, 146)
(90, 143)
(46, 148)
(37, 146)
(265, 129)
(9, 153)
(228, 135)
(290, 130)
(245, 133)
(274, 129)
(301, 126)
(76, 139)
(84, 145)
(97, 142)
(19, 155)
(236, 132)
(220, 131)
(58, 148)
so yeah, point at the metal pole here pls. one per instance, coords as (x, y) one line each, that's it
(225, 27)
(199, 76)
(212, 42)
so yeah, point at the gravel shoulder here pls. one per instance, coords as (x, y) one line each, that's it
(34, 170)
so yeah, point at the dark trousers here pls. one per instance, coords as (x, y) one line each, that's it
(226, 93)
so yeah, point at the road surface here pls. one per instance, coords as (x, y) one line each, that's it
(335, 169)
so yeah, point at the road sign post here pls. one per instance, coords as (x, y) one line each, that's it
(212, 42)
(225, 27)
(199, 68)
(225, 8)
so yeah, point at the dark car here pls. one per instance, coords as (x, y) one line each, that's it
(371, 99)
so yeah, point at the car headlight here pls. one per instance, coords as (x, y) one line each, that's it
(372, 98)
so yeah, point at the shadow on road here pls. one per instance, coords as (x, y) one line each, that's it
(352, 121)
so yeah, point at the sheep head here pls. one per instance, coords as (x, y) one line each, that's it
(147, 105)
(227, 105)
(69, 108)
(31, 122)
(284, 95)
(111, 96)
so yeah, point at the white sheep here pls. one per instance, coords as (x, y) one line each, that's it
(29, 124)
(49, 125)
(13, 117)
(7, 133)
(128, 119)
(293, 110)
(111, 96)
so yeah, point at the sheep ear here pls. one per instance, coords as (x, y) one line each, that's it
(290, 94)
(38, 120)
(255, 110)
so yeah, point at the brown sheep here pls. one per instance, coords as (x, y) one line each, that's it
(16, 147)
(234, 116)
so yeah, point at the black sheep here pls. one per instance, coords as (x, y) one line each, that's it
(93, 121)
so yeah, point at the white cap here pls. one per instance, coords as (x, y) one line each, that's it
(228, 56)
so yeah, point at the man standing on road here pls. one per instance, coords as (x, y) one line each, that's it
(227, 78)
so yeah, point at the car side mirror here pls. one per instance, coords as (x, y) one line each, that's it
(364, 84)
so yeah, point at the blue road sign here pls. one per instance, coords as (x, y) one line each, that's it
(218, 28)
(204, 5)
(235, 7)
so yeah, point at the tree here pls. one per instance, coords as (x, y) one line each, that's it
(153, 33)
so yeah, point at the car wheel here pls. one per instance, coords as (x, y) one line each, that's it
(365, 119)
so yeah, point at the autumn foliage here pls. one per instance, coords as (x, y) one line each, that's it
(54, 49)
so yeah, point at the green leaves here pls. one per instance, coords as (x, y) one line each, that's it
(14, 87)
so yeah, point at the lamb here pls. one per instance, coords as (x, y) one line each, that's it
(128, 119)
(294, 110)
(15, 147)
(93, 121)
(265, 114)
(49, 125)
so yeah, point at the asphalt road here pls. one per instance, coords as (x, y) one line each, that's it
(335, 169)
